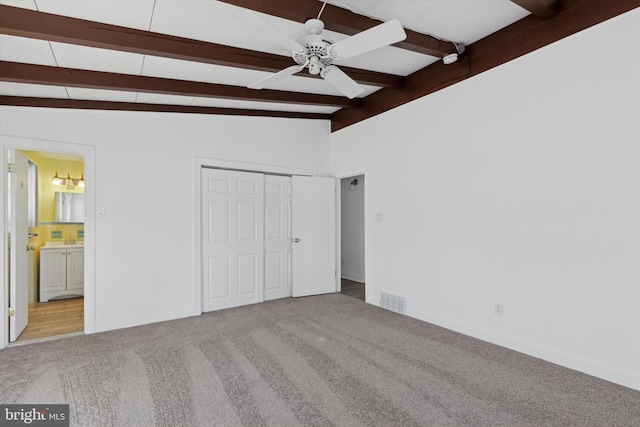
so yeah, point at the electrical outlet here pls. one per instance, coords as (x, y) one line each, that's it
(498, 309)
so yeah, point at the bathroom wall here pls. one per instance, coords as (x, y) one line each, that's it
(47, 168)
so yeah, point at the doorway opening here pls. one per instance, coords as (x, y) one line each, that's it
(352, 236)
(46, 213)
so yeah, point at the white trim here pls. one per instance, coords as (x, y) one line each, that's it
(572, 361)
(122, 322)
(198, 164)
(89, 154)
(252, 167)
(368, 276)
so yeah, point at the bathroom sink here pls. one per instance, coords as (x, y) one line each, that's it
(61, 244)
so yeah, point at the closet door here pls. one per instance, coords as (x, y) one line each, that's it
(277, 237)
(233, 238)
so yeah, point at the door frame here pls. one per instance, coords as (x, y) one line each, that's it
(89, 154)
(216, 163)
(368, 276)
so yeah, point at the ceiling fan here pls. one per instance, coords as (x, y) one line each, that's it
(318, 53)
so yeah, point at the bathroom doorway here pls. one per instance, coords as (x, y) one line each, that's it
(352, 236)
(46, 289)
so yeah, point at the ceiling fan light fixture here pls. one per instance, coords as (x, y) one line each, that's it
(314, 65)
(450, 59)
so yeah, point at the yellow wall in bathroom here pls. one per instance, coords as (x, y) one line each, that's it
(47, 168)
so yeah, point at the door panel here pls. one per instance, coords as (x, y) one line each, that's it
(233, 221)
(247, 273)
(218, 277)
(277, 206)
(19, 229)
(218, 229)
(313, 211)
(75, 269)
(53, 270)
(272, 267)
(247, 217)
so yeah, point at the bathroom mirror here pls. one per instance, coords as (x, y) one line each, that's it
(69, 207)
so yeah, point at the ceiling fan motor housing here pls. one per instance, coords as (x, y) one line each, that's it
(315, 46)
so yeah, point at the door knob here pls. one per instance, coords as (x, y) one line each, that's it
(296, 240)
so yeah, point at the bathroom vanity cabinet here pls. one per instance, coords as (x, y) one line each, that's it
(61, 272)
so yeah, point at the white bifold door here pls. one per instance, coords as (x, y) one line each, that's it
(233, 238)
(277, 237)
(250, 252)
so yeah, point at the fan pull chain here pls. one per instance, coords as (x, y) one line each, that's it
(325, 3)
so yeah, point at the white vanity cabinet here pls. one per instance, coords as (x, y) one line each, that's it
(61, 272)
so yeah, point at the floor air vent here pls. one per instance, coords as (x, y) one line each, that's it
(393, 302)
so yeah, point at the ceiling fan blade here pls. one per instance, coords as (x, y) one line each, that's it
(269, 30)
(269, 80)
(387, 33)
(342, 82)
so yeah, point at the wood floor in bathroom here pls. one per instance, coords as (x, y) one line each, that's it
(54, 318)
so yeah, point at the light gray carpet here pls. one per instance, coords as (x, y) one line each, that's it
(316, 361)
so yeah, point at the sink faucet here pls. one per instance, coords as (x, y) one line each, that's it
(69, 241)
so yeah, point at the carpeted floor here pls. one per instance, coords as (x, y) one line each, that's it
(315, 361)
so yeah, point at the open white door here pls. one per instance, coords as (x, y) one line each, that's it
(232, 238)
(314, 236)
(19, 231)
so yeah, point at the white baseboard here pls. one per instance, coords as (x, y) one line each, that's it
(354, 277)
(576, 362)
(131, 321)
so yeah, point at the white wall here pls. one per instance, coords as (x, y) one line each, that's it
(352, 228)
(145, 178)
(519, 186)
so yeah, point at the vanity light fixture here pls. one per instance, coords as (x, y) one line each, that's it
(69, 182)
(56, 180)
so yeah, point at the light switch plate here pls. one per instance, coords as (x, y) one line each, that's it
(101, 211)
